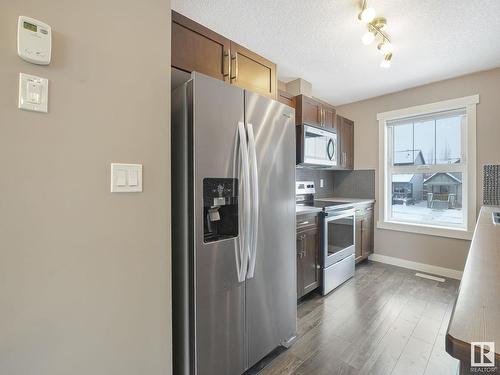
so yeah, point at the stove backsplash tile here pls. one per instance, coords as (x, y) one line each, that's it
(304, 174)
(354, 184)
(346, 184)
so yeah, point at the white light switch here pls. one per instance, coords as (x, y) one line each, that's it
(33, 93)
(133, 178)
(321, 182)
(121, 177)
(126, 178)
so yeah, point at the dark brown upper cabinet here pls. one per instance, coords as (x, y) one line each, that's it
(313, 112)
(253, 72)
(286, 98)
(197, 48)
(345, 139)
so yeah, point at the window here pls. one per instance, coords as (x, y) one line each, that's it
(427, 165)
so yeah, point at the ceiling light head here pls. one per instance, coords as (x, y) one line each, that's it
(386, 62)
(368, 38)
(367, 15)
(379, 22)
(385, 47)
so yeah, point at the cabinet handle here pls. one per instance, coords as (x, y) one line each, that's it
(304, 223)
(226, 63)
(234, 59)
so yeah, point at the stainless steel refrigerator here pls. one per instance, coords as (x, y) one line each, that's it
(233, 227)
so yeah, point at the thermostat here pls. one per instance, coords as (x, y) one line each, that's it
(34, 41)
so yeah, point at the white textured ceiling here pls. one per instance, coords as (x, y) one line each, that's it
(319, 40)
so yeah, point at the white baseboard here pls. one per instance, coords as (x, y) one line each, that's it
(435, 270)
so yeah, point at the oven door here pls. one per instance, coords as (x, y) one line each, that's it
(338, 236)
(320, 147)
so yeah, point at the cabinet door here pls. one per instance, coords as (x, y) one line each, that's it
(286, 98)
(300, 252)
(307, 111)
(357, 239)
(329, 117)
(196, 48)
(253, 72)
(345, 131)
(310, 260)
(349, 138)
(367, 235)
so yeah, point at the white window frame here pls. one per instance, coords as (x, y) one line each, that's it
(469, 157)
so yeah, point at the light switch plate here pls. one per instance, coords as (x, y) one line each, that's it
(126, 178)
(33, 93)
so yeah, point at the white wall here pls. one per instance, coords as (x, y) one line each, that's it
(85, 274)
(438, 251)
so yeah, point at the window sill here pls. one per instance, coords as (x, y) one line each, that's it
(461, 234)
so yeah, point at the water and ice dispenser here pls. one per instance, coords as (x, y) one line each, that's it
(220, 209)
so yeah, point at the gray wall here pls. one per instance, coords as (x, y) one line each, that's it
(85, 274)
(439, 251)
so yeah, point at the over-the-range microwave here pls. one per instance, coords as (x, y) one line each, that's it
(316, 146)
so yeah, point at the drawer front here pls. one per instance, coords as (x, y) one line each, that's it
(364, 211)
(337, 274)
(306, 221)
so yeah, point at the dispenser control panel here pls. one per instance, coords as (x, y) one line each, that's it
(220, 208)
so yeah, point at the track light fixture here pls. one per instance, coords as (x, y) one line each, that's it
(375, 30)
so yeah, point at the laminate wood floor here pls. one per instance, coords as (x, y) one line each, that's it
(384, 321)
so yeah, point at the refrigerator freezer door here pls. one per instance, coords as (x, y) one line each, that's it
(271, 305)
(220, 297)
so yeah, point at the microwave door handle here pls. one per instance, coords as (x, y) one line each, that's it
(242, 265)
(254, 177)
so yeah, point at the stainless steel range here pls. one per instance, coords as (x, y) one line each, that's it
(337, 220)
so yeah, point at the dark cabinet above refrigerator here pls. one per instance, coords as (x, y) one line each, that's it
(196, 48)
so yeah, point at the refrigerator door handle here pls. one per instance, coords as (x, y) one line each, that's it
(244, 227)
(254, 224)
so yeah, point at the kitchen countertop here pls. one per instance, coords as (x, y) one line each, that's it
(355, 201)
(302, 210)
(476, 314)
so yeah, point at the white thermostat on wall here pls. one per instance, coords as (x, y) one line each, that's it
(34, 41)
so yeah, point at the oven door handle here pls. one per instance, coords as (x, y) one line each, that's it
(340, 215)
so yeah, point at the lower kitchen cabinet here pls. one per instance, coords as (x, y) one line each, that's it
(364, 232)
(308, 266)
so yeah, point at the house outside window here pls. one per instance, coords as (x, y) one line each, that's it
(427, 168)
